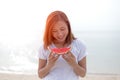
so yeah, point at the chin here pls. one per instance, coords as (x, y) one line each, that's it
(59, 40)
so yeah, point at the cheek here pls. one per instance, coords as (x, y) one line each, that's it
(66, 32)
(54, 35)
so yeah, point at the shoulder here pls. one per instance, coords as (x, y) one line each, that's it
(41, 48)
(79, 43)
(43, 53)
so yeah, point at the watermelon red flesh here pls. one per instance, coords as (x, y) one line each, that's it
(60, 50)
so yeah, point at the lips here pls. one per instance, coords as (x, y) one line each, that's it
(60, 37)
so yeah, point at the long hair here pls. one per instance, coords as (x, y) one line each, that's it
(52, 19)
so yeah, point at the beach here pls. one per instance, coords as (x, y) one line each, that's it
(102, 60)
(7, 76)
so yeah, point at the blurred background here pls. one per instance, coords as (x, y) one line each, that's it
(22, 23)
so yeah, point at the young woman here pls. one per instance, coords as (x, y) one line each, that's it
(67, 66)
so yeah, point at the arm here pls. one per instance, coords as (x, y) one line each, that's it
(45, 66)
(43, 70)
(80, 67)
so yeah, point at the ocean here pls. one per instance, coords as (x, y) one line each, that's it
(103, 54)
(103, 51)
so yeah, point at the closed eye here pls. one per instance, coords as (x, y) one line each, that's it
(62, 29)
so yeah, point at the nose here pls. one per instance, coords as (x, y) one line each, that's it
(59, 33)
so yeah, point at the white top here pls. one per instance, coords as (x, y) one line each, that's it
(62, 70)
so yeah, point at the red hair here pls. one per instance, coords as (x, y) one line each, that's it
(52, 19)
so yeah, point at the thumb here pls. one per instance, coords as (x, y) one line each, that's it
(71, 54)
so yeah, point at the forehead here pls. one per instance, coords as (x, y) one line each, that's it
(60, 24)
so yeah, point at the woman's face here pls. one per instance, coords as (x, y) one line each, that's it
(60, 31)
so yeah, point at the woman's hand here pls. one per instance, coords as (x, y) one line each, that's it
(52, 59)
(70, 58)
(80, 67)
(46, 65)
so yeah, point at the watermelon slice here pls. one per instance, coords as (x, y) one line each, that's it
(60, 50)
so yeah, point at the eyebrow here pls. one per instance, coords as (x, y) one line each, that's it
(54, 30)
(60, 28)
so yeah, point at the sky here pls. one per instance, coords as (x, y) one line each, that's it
(22, 22)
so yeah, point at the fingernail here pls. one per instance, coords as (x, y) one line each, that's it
(52, 54)
(55, 55)
(65, 56)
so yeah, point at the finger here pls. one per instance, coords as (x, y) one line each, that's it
(69, 50)
(54, 56)
(54, 59)
(65, 57)
(71, 54)
(68, 54)
(51, 54)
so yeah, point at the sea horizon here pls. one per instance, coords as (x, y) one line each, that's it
(103, 54)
